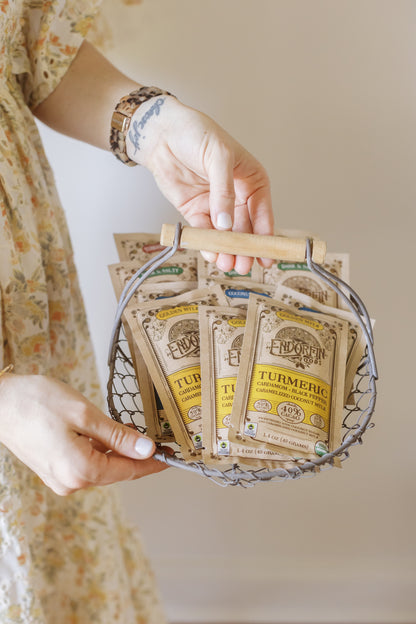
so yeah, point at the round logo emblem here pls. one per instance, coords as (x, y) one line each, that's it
(261, 405)
(194, 413)
(290, 412)
(317, 421)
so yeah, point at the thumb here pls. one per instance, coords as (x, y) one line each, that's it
(117, 437)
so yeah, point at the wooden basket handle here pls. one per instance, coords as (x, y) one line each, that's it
(241, 244)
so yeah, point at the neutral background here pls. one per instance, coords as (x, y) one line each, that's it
(324, 94)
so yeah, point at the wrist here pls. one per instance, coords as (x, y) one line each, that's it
(147, 125)
(121, 121)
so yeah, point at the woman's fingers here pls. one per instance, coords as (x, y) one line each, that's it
(88, 467)
(97, 468)
(239, 198)
(219, 166)
(242, 223)
(259, 206)
(114, 436)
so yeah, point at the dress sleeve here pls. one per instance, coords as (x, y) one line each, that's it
(51, 34)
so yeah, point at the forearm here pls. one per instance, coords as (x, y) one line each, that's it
(82, 104)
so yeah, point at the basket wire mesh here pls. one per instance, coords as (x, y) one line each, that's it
(125, 405)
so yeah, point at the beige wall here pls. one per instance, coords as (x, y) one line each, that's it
(324, 93)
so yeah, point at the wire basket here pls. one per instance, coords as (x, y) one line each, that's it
(125, 404)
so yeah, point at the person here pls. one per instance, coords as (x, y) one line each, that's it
(74, 556)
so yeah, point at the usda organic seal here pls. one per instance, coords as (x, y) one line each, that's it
(321, 448)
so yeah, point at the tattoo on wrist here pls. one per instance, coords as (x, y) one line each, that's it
(135, 133)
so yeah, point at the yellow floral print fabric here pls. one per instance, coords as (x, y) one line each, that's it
(70, 560)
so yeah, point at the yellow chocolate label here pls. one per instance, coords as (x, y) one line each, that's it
(237, 322)
(224, 397)
(162, 315)
(289, 316)
(291, 396)
(185, 386)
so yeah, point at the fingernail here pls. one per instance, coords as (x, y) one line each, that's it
(224, 221)
(209, 256)
(143, 447)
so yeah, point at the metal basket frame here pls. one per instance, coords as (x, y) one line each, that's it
(122, 384)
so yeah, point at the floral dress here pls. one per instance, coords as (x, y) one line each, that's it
(66, 560)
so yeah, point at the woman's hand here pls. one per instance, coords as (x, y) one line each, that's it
(65, 439)
(209, 177)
